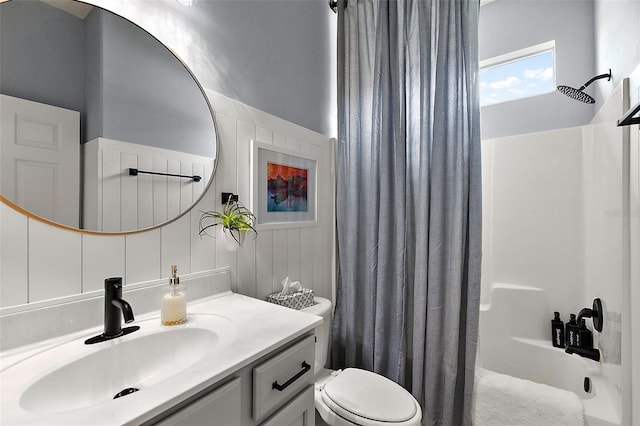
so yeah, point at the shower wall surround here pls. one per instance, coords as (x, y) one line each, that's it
(558, 213)
(617, 43)
(41, 262)
(532, 221)
(634, 235)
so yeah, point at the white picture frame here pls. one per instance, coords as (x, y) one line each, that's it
(288, 201)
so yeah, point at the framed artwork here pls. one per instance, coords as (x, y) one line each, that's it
(283, 187)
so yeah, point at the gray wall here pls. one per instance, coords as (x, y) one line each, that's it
(274, 55)
(617, 25)
(509, 25)
(27, 76)
(126, 85)
(144, 94)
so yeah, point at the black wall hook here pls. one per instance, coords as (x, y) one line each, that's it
(226, 196)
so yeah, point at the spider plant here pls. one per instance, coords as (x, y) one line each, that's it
(234, 217)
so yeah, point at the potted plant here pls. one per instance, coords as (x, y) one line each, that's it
(236, 221)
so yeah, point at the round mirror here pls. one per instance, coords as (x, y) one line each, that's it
(102, 127)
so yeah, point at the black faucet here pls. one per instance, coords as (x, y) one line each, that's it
(596, 313)
(113, 306)
(591, 353)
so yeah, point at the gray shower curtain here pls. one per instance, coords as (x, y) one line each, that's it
(408, 198)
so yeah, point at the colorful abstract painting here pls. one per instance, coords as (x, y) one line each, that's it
(286, 188)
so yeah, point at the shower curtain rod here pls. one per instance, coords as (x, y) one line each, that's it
(628, 119)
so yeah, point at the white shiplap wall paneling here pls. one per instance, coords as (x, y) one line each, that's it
(142, 256)
(43, 261)
(247, 255)
(128, 192)
(324, 231)
(14, 238)
(264, 135)
(245, 134)
(109, 203)
(144, 198)
(197, 188)
(294, 144)
(294, 244)
(280, 257)
(176, 246)
(55, 262)
(264, 264)
(226, 181)
(102, 257)
(307, 259)
(264, 244)
(137, 202)
(279, 139)
(203, 248)
(293, 251)
(174, 191)
(92, 167)
(186, 186)
(160, 196)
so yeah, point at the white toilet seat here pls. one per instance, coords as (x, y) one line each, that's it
(360, 397)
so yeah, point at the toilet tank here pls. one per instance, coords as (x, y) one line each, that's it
(322, 308)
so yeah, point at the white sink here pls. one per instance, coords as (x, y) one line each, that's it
(73, 376)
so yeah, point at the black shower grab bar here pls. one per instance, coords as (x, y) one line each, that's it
(136, 172)
(628, 118)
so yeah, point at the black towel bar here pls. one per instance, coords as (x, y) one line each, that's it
(136, 172)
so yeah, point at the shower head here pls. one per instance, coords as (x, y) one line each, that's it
(578, 94)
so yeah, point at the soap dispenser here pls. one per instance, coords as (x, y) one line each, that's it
(572, 331)
(174, 301)
(557, 331)
(585, 336)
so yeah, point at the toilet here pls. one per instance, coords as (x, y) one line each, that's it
(353, 396)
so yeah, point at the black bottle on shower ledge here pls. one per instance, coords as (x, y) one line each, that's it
(585, 336)
(572, 331)
(557, 331)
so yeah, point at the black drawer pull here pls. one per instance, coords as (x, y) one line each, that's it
(305, 367)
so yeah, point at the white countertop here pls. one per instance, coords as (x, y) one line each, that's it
(260, 327)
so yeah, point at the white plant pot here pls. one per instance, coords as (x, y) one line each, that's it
(228, 241)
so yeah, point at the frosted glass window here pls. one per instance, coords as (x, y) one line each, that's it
(517, 76)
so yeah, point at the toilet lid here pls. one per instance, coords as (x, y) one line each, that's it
(370, 395)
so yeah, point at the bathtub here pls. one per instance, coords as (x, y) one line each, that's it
(514, 339)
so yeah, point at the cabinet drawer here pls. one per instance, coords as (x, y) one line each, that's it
(301, 411)
(281, 377)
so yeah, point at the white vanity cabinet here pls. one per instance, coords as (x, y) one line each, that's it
(282, 376)
(275, 390)
(220, 406)
(298, 412)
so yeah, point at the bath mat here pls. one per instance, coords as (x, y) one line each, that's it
(502, 400)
